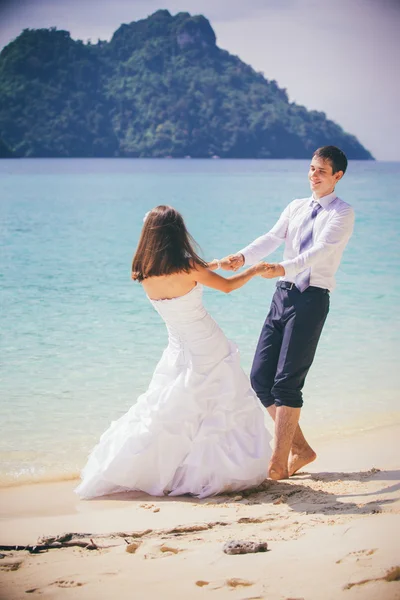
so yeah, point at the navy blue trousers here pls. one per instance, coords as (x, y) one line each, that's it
(287, 344)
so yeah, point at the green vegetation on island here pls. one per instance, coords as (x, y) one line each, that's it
(161, 87)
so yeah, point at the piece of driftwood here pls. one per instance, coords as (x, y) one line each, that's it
(66, 540)
(86, 540)
(36, 548)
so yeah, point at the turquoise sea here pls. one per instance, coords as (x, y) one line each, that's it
(79, 340)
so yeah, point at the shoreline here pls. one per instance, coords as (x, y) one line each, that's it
(317, 437)
(330, 527)
(325, 446)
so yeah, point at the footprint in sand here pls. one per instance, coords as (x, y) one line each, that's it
(232, 583)
(169, 549)
(65, 583)
(357, 555)
(131, 548)
(391, 575)
(235, 582)
(10, 565)
(163, 551)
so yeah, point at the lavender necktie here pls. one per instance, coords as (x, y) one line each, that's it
(306, 240)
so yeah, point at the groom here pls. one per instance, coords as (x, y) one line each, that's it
(315, 231)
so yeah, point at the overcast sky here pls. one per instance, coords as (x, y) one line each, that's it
(341, 57)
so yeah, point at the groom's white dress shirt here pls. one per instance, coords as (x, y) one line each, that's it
(332, 230)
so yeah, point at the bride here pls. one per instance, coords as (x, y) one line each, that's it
(199, 428)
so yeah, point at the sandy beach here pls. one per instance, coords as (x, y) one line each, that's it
(332, 531)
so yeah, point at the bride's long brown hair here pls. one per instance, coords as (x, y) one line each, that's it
(165, 246)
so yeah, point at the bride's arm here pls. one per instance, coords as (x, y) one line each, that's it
(227, 284)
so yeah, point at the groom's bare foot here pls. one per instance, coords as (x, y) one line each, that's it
(277, 471)
(299, 459)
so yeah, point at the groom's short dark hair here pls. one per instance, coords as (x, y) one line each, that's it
(336, 157)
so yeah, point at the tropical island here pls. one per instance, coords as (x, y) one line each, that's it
(161, 87)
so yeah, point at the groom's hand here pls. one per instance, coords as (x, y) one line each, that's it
(233, 262)
(273, 270)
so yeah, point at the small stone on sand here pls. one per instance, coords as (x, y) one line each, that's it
(244, 547)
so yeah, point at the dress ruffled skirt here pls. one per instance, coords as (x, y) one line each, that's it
(192, 432)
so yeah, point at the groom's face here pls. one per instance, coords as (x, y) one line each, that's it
(321, 177)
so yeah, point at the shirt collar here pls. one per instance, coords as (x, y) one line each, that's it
(325, 200)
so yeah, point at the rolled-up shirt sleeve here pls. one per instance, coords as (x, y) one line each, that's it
(267, 243)
(334, 236)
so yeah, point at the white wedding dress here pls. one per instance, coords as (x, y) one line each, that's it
(199, 428)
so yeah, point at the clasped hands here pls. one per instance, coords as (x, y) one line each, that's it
(233, 262)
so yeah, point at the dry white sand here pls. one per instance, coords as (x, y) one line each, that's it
(332, 532)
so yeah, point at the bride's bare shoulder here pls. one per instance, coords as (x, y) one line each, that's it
(169, 286)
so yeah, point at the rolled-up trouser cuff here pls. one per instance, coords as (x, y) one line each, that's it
(266, 400)
(290, 402)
